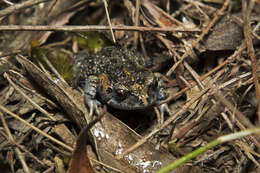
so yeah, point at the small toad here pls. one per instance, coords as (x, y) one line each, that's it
(118, 77)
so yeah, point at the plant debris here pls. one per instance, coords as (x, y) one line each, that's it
(207, 51)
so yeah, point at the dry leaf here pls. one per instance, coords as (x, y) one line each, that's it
(80, 162)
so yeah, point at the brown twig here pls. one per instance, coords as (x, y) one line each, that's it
(109, 21)
(247, 8)
(8, 2)
(239, 115)
(137, 10)
(204, 32)
(28, 98)
(17, 150)
(23, 149)
(228, 60)
(2, 108)
(91, 28)
(17, 7)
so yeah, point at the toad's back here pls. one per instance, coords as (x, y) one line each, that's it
(115, 66)
(122, 80)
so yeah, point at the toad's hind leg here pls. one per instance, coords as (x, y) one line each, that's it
(90, 91)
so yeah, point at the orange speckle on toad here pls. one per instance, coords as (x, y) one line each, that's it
(104, 81)
(128, 74)
(138, 90)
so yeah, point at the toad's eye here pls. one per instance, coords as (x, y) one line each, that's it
(121, 93)
(121, 90)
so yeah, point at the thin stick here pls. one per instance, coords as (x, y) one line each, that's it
(28, 98)
(35, 128)
(17, 150)
(91, 28)
(137, 10)
(228, 60)
(246, 8)
(22, 148)
(17, 7)
(204, 32)
(109, 21)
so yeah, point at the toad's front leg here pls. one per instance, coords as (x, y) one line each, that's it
(90, 92)
(162, 95)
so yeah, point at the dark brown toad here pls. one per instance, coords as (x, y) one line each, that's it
(117, 77)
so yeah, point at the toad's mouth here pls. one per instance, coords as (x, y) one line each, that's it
(130, 102)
